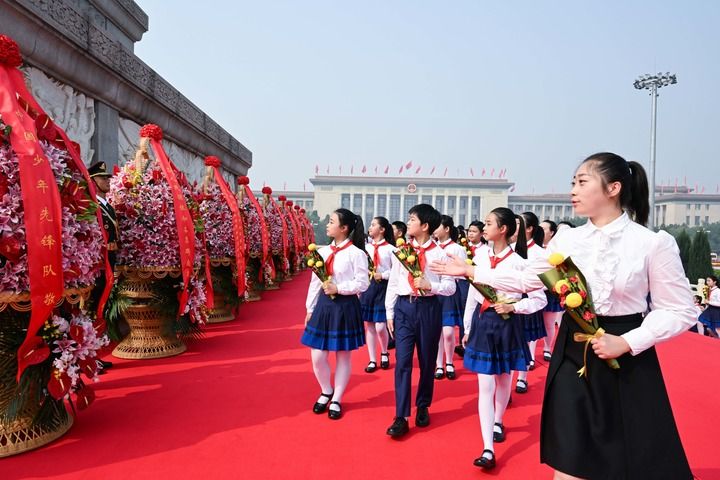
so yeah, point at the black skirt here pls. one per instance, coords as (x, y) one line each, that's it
(612, 424)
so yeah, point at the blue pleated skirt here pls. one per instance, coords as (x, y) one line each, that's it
(453, 306)
(711, 317)
(335, 325)
(495, 345)
(533, 326)
(553, 304)
(372, 302)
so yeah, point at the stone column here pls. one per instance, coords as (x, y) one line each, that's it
(105, 140)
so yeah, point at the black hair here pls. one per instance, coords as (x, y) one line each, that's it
(387, 229)
(480, 226)
(426, 214)
(713, 278)
(356, 230)
(565, 222)
(400, 226)
(634, 190)
(506, 217)
(553, 226)
(697, 298)
(448, 222)
(532, 221)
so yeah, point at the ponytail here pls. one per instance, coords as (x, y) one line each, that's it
(521, 243)
(532, 221)
(387, 229)
(356, 229)
(638, 203)
(447, 222)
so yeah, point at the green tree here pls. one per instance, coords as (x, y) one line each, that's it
(684, 244)
(699, 264)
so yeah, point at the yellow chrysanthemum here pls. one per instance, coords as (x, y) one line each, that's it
(411, 259)
(402, 256)
(573, 300)
(312, 247)
(400, 242)
(310, 262)
(319, 264)
(556, 259)
(469, 261)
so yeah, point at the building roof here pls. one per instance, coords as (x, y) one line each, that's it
(438, 182)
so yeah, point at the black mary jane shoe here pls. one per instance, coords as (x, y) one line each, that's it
(385, 361)
(499, 437)
(547, 356)
(521, 386)
(485, 462)
(335, 414)
(532, 365)
(439, 373)
(371, 366)
(450, 374)
(319, 407)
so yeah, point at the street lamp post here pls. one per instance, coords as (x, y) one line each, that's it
(653, 83)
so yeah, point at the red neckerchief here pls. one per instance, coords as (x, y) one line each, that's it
(494, 261)
(376, 253)
(531, 244)
(445, 245)
(331, 258)
(421, 261)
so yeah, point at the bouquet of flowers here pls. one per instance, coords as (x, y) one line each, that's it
(371, 266)
(567, 281)
(279, 243)
(315, 261)
(488, 292)
(408, 259)
(217, 219)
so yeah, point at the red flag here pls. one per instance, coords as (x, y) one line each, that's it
(317, 169)
(717, 188)
(408, 165)
(376, 169)
(340, 167)
(685, 181)
(482, 173)
(472, 172)
(417, 170)
(696, 188)
(328, 170)
(703, 189)
(401, 169)
(492, 172)
(387, 169)
(352, 169)
(445, 174)
(432, 170)
(364, 169)
(512, 189)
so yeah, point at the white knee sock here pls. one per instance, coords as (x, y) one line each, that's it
(550, 318)
(531, 346)
(371, 338)
(382, 334)
(321, 367)
(502, 395)
(486, 409)
(448, 338)
(342, 375)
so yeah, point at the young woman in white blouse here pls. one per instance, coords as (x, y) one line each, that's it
(711, 316)
(611, 424)
(372, 300)
(335, 324)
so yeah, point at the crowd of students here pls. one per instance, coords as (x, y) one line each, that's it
(585, 421)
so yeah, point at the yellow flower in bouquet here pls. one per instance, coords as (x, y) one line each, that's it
(315, 261)
(312, 247)
(411, 259)
(567, 281)
(408, 259)
(399, 242)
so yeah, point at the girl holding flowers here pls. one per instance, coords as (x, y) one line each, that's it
(495, 346)
(372, 301)
(453, 306)
(610, 423)
(334, 320)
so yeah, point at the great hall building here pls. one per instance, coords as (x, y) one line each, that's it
(472, 198)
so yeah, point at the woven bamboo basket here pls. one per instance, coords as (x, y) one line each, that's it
(151, 329)
(20, 435)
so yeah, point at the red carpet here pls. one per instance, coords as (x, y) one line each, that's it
(237, 405)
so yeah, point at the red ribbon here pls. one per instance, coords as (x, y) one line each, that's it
(376, 253)
(494, 261)
(19, 84)
(238, 231)
(183, 220)
(43, 216)
(209, 290)
(263, 231)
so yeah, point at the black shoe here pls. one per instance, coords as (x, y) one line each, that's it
(460, 351)
(547, 356)
(485, 462)
(422, 417)
(521, 386)
(399, 428)
(371, 367)
(335, 414)
(450, 374)
(439, 373)
(499, 437)
(385, 361)
(532, 365)
(391, 344)
(321, 407)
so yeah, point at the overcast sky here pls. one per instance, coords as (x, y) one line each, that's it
(531, 87)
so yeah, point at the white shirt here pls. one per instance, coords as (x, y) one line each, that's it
(386, 256)
(622, 262)
(350, 273)
(398, 284)
(536, 299)
(714, 297)
(455, 250)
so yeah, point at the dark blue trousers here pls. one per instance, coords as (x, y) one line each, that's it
(418, 323)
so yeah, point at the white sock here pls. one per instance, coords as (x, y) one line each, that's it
(382, 334)
(371, 338)
(550, 318)
(503, 386)
(486, 409)
(342, 375)
(531, 345)
(321, 367)
(448, 338)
